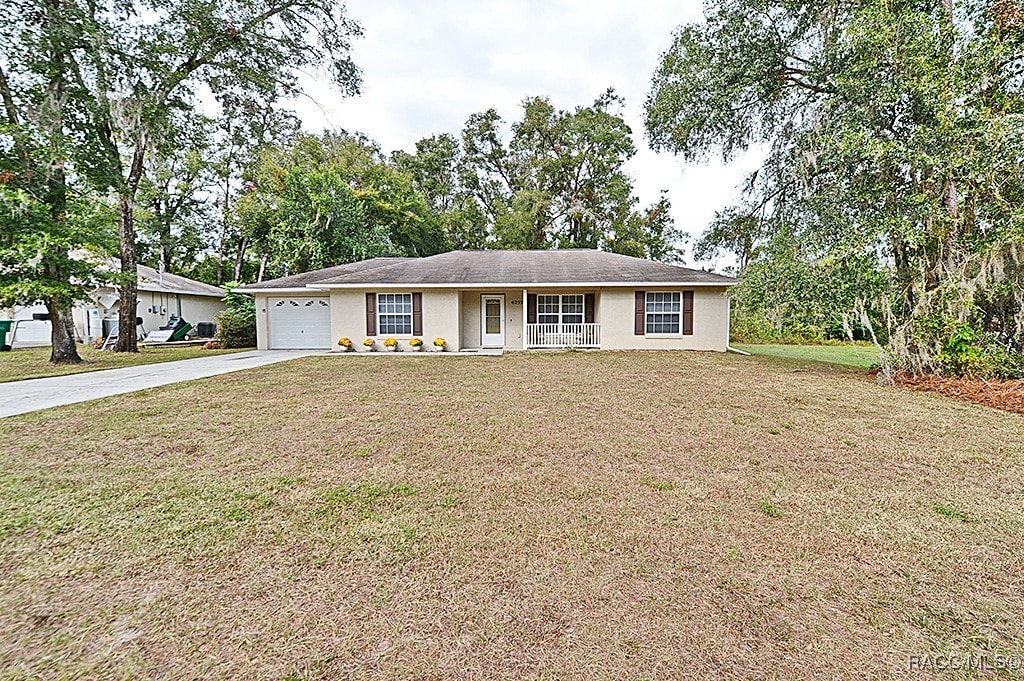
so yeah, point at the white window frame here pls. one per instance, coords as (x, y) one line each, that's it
(650, 299)
(582, 314)
(391, 296)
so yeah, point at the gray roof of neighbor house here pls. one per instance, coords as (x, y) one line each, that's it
(467, 268)
(152, 280)
(306, 278)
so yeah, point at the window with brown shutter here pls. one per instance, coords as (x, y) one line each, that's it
(371, 314)
(417, 314)
(640, 313)
(394, 314)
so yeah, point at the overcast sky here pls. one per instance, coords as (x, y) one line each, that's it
(428, 65)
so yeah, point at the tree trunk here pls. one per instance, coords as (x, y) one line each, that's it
(62, 335)
(222, 245)
(165, 258)
(243, 244)
(127, 339)
(62, 327)
(263, 267)
(163, 221)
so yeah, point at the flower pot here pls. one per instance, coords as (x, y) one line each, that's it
(390, 348)
(439, 348)
(415, 348)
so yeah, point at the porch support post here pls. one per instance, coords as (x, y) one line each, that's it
(524, 318)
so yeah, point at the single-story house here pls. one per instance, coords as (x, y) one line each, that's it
(160, 296)
(510, 300)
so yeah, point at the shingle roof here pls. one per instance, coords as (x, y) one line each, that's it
(526, 267)
(316, 276)
(152, 280)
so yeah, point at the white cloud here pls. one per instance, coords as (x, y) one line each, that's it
(428, 66)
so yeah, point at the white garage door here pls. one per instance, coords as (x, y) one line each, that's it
(299, 323)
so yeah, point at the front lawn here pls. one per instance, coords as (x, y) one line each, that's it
(566, 515)
(856, 356)
(22, 363)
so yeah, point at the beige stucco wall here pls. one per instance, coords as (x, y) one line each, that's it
(440, 317)
(613, 309)
(194, 309)
(455, 316)
(199, 308)
(262, 328)
(471, 321)
(710, 321)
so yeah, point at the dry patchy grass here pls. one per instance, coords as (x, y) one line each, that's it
(24, 363)
(573, 515)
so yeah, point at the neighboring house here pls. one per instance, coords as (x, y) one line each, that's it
(511, 300)
(160, 296)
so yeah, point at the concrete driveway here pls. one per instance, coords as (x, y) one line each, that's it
(42, 393)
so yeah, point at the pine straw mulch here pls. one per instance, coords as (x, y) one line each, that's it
(1005, 395)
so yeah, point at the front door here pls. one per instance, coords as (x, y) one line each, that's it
(492, 321)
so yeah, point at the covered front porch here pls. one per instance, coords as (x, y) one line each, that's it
(526, 319)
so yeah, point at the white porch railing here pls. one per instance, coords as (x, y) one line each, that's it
(563, 335)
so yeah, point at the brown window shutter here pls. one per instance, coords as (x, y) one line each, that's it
(417, 314)
(588, 308)
(371, 314)
(640, 313)
(531, 308)
(687, 313)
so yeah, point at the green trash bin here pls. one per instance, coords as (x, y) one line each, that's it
(5, 327)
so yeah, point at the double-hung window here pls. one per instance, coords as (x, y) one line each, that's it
(560, 309)
(394, 314)
(548, 309)
(664, 311)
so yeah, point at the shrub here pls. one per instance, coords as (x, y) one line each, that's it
(236, 326)
(235, 330)
(966, 351)
(758, 330)
(963, 355)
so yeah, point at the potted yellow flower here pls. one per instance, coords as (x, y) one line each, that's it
(345, 344)
(390, 344)
(440, 344)
(416, 344)
(370, 344)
